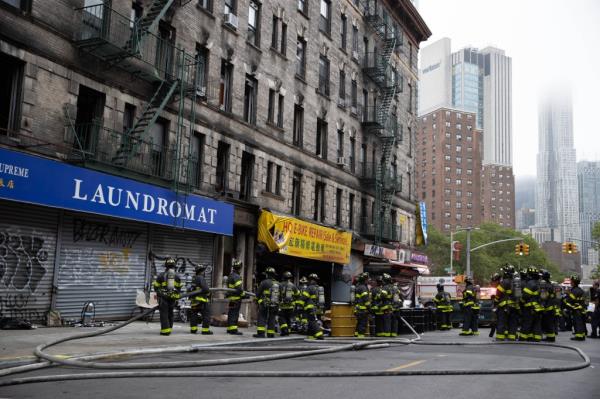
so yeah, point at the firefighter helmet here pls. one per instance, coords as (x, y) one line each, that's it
(496, 277)
(575, 278)
(303, 280)
(287, 275)
(236, 264)
(170, 262)
(387, 278)
(533, 272)
(546, 275)
(363, 277)
(440, 287)
(313, 276)
(468, 280)
(269, 272)
(200, 268)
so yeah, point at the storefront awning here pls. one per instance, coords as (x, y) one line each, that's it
(295, 237)
(422, 269)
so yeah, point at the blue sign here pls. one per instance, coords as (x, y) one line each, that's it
(423, 210)
(36, 180)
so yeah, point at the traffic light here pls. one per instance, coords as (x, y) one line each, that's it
(526, 249)
(569, 248)
(519, 249)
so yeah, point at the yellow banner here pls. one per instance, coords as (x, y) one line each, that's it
(295, 237)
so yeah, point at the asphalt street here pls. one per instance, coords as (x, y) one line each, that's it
(580, 384)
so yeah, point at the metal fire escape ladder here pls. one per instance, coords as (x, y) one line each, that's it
(378, 72)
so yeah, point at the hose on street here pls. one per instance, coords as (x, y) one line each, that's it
(333, 346)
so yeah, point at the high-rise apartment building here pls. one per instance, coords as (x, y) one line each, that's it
(556, 197)
(477, 81)
(449, 164)
(588, 182)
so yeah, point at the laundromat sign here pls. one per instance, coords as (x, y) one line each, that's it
(295, 237)
(36, 180)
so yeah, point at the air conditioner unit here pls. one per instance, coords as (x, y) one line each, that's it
(231, 20)
(341, 161)
(201, 91)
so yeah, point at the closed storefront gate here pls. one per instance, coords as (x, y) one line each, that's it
(183, 245)
(27, 254)
(102, 260)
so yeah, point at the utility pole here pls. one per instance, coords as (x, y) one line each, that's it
(451, 251)
(468, 251)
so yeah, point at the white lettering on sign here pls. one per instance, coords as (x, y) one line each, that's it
(149, 204)
(14, 170)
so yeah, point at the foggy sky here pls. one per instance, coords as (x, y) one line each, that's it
(550, 42)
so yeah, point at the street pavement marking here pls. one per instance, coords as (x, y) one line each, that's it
(407, 365)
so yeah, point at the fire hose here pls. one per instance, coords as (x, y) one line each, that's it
(296, 351)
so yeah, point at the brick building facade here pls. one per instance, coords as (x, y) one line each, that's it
(255, 104)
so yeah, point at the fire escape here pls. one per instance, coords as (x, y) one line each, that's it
(376, 119)
(141, 48)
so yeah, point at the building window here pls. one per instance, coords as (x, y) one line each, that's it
(222, 166)
(271, 109)
(201, 71)
(254, 23)
(355, 42)
(159, 134)
(363, 159)
(280, 105)
(344, 32)
(342, 88)
(352, 155)
(301, 58)
(325, 19)
(458, 171)
(323, 75)
(11, 86)
(321, 144)
(246, 176)
(206, 4)
(269, 185)
(298, 125)
(338, 207)
(296, 194)
(276, 44)
(195, 162)
(354, 96)
(225, 85)
(410, 97)
(303, 6)
(250, 91)
(229, 7)
(351, 211)
(458, 205)
(340, 142)
(458, 182)
(319, 214)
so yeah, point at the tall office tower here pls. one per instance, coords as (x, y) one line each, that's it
(588, 182)
(556, 197)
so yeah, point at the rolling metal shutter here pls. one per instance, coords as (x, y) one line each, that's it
(102, 260)
(27, 252)
(184, 244)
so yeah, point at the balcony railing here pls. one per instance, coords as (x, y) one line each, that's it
(120, 41)
(388, 230)
(95, 144)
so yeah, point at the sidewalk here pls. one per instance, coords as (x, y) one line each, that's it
(16, 346)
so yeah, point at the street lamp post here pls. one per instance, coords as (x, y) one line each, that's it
(468, 230)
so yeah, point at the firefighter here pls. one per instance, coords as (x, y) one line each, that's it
(168, 289)
(377, 306)
(503, 303)
(362, 303)
(200, 302)
(575, 301)
(548, 307)
(467, 304)
(301, 319)
(387, 300)
(287, 303)
(396, 306)
(234, 281)
(444, 308)
(531, 326)
(267, 297)
(311, 300)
